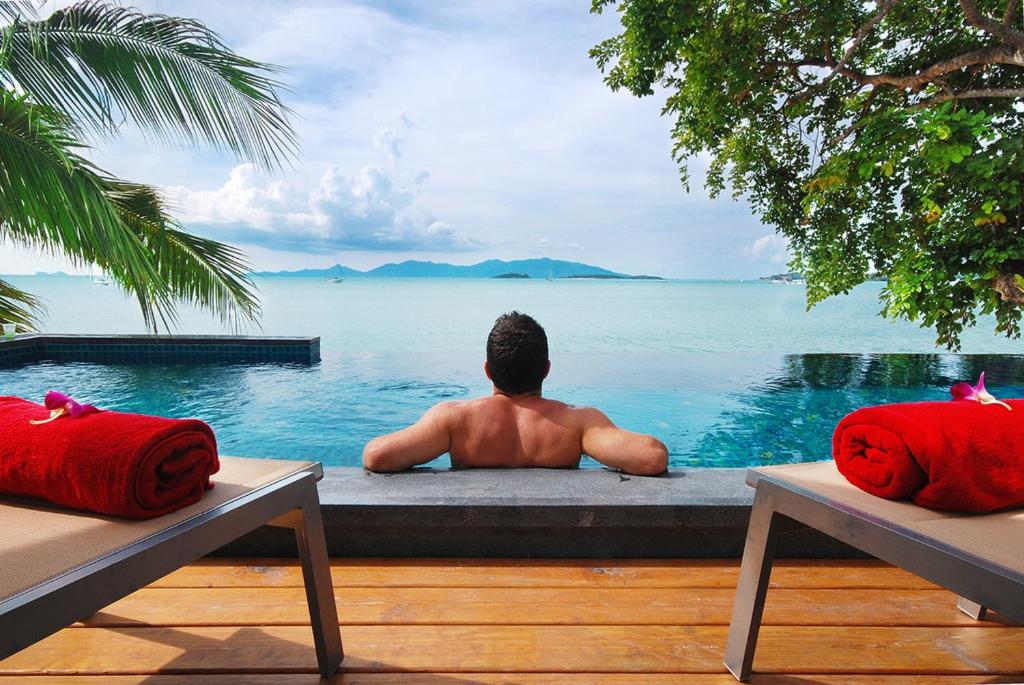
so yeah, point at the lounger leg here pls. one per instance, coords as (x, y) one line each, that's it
(316, 572)
(755, 571)
(972, 609)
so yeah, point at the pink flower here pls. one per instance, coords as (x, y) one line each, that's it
(60, 405)
(977, 393)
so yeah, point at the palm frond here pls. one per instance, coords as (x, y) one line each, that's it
(196, 270)
(19, 307)
(10, 10)
(54, 200)
(172, 76)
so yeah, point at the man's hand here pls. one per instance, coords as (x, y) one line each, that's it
(634, 453)
(427, 439)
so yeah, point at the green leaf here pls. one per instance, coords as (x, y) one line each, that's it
(19, 307)
(54, 200)
(196, 270)
(174, 77)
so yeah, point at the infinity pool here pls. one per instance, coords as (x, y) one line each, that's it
(711, 409)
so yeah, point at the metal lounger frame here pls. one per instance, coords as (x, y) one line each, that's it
(779, 505)
(290, 502)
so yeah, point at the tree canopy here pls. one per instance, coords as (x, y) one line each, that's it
(85, 71)
(883, 136)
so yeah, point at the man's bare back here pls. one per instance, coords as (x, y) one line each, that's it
(506, 431)
(516, 429)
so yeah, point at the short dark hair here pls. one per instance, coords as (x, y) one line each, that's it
(517, 354)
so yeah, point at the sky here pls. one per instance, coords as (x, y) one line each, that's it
(451, 131)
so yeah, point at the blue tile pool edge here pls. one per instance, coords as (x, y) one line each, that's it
(28, 348)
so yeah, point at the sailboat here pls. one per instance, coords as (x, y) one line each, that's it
(101, 279)
(338, 278)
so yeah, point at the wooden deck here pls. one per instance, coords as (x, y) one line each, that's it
(456, 622)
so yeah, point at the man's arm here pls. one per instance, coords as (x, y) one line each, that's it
(635, 453)
(427, 439)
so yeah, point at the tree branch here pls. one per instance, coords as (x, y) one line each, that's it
(994, 55)
(970, 95)
(932, 74)
(857, 122)
(1005, 282)
(1011, 12)
(915, 82)
(978, 20)
(858, 38)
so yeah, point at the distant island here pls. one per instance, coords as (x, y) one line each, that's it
(793, 277)
(619, 277)
(545, 268)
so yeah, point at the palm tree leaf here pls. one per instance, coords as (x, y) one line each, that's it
(54, 200)
(10, 10)
(196, 270)
(172, 76)
(19, 307)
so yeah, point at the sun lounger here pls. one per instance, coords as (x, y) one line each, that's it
(979, 557)
(58, 566)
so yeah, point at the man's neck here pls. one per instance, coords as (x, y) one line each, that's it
(516, 396)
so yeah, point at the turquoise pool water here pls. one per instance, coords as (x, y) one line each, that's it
(716, 369)
(711, 409)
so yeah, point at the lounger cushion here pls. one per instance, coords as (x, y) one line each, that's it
(39, 543)
(998, 537)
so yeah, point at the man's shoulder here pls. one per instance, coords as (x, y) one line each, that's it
(445, 410)
(579, 415)
(587, 417)
(462, 408)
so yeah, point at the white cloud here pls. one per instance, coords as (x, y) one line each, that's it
(335, 36)
(773, 249)
(391, 139)
(248, 198)
(376, 208)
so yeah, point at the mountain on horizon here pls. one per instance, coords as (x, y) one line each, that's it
(336, 270)
(535, 268)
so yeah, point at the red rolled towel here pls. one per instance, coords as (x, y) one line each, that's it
(956, 456)
(107, 462)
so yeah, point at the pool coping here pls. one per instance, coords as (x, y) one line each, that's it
(537, 513)
(28, 348)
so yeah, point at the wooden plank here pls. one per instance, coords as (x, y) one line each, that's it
(544, 606)
(541, 573)
(498, 679)
(538, 649)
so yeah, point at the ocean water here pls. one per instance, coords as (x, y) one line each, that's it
(726, 373)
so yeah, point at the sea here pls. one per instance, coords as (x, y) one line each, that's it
(727, 373)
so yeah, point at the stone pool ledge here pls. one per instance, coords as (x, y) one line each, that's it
(586, 513)
(119, 349)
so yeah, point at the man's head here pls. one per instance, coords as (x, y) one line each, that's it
(517, 354)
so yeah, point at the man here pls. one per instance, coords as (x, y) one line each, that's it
(515, 426)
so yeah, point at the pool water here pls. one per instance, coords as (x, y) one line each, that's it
(711, 409)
